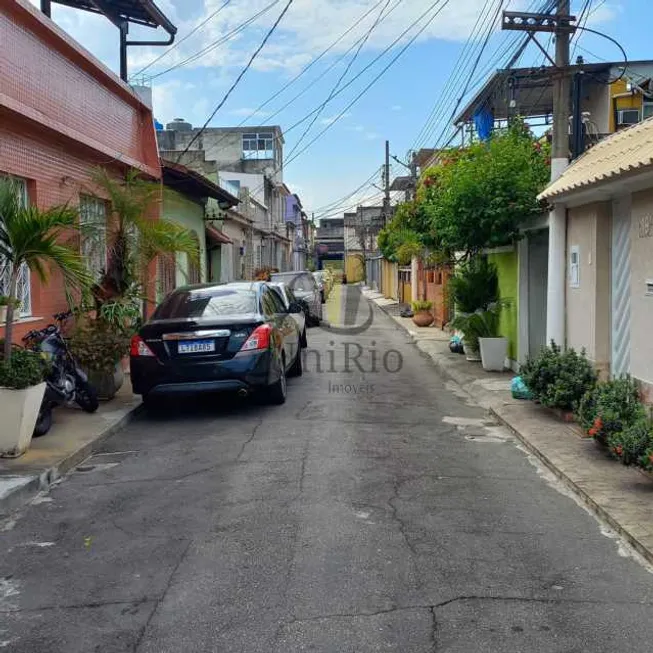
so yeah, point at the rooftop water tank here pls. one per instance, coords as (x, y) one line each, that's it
(179, 125)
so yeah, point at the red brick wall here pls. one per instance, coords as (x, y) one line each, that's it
(62, 114)
(45, 74)
(56, 173)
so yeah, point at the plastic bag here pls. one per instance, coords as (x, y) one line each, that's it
(519, 390)
(456, 345)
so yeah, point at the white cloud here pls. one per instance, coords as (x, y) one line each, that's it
(331, 119)
(396, 107)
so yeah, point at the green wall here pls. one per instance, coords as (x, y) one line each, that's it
(189, 214)
(508, 270)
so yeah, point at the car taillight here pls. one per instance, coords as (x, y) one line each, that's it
(139, 348)
(258, 339)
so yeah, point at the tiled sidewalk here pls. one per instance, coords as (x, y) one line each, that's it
(620, 496)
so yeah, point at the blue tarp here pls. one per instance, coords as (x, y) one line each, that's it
(484, 123)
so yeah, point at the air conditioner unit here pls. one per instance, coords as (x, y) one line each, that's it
(628, 116)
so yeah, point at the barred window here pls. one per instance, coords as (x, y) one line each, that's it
(93, 226)
(23, 289)
(167, 275)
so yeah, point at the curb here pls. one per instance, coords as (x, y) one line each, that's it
(496, 411)
(22, 494)
(595, 508)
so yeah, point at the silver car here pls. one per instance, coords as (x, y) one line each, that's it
(304, 287)
(289, 300)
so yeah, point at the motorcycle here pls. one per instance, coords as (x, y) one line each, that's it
(66, 382)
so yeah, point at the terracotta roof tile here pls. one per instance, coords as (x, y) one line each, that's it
(625, 151)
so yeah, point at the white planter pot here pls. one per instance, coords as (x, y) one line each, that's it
(493, 353)
(19, 410)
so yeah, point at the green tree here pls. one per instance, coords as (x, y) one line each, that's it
(480, 197)
(134, 239)
(36, 238)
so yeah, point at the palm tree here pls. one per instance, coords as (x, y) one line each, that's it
(135, 240)
(32, 237)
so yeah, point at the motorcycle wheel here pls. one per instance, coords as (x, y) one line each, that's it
(43, 423)
(86, 396)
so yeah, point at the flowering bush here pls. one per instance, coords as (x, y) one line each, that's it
(610, 408)
(631, 444)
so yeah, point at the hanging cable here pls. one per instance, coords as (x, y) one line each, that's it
(178, 43)
(240, 76)
(223, 39)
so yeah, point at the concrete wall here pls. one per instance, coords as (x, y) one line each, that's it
(641, 304)
(188, 214)
(507, 265)
(224, 145)
(588, 305)
(354, 267)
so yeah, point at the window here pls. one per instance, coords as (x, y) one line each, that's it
(267, 303)
(167, 275)
(296, 282)
(574, 267)
(207, 304)
(258, 145)
(93, 226)
(279, 304)
(23, 290)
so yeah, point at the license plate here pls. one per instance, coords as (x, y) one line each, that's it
(196, 346)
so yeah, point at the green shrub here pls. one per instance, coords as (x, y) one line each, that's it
(479, 324)
(610, 408)
(98, 346)
(474, 286)
(422, 305)
(630, 445)
(559, 379)
(25, 368)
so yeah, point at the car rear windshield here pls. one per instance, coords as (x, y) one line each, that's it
(296, 282)
(206, 304)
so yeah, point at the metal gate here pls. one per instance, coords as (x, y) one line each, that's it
(620, 287)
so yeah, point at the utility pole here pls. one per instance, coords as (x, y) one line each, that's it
(556, 275)
(561, 24)
(386, 184)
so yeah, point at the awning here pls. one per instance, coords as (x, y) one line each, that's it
(217, 237)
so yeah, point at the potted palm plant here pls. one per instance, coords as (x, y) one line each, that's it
(29, 237)
(134, 242)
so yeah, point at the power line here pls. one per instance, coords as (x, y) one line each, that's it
(474, 67)
(223, 39)
(178, 43)
(240, 76)
(350, 63)
(339, 201)
(383, 71)
(351, 81)
(304, 70)
(456, 67)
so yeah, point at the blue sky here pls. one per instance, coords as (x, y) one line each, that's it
(395, 107)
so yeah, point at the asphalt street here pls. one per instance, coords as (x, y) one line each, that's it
(377, 510)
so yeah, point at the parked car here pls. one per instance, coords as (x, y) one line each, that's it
(289, 298)
(304, 287)
(218, 337)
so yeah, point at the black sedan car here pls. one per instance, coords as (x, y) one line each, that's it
(210, 338)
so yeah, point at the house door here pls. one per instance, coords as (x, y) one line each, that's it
(538, 267)
(620, 287)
